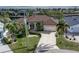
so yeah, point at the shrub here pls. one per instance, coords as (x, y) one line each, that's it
(7, 40)
(39, 26)
(74, 39)
(56, 35)
(66, 36)
(35, 33)
(70, 38)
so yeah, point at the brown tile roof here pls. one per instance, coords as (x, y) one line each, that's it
(45, 19)
(20, 20)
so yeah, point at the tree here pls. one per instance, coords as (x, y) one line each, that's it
(20, 29)
(4, 17)
(57, 14)
(62, 27)
(12, 29)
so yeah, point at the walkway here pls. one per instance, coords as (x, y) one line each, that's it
(47, 42)
(4, 48)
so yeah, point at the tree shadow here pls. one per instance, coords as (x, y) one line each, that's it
(43, 48)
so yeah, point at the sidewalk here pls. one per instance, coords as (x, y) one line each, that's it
(47, 42)
(4, 48)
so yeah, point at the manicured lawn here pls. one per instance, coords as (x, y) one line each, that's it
(19, 46)
(64, 44)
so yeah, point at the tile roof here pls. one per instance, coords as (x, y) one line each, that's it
(45, 19)
(20, 20)
(72, 20)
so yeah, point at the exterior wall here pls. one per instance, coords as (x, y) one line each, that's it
(46, 27)
(34, 24)
(1, 35)
(74, 29)
(49, 27)
(1, 30)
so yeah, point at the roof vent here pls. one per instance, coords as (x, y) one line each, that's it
(75, 19)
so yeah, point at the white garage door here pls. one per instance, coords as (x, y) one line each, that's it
(49, 28)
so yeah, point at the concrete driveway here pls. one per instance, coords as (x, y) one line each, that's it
(4, 48)
(47, 42)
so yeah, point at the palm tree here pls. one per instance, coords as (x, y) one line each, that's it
(12, 29)
(26, 29)
(62, 27)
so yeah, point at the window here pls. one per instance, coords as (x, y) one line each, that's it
(31, 26)
(71, 28)
(0, 35)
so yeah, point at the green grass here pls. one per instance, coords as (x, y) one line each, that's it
(19, 46)
(64, 44)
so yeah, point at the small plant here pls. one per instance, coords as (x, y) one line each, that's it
(56, 35)
(70, 38)
(7, 40)
(66, 36)
(74, 39)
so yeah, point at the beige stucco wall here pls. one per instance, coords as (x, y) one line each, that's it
(50, 27)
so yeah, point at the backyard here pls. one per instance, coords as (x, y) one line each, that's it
(19, 45)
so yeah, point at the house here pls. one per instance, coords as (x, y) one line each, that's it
(44, 21)
(73, 22)
(40, 22)
(1, 30)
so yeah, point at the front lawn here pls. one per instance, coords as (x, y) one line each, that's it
(64, 44)
(19, 45)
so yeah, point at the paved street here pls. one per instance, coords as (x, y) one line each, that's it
(61, 51)
(4, 48)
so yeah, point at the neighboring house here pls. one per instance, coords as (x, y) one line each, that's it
(47, 22)
(36, 22)
(73, 22)
(1, 30)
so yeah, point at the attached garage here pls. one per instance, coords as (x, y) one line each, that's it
(49, 27)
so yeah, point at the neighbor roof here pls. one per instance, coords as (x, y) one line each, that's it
(20, 20)
(45, 19)
(72, 20)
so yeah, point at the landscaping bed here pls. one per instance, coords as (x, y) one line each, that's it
(62, 43)
(35, 33)
(19, 45)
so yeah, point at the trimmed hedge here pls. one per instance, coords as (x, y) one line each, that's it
(35, 33)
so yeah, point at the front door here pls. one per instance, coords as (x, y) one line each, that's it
(31, 26)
